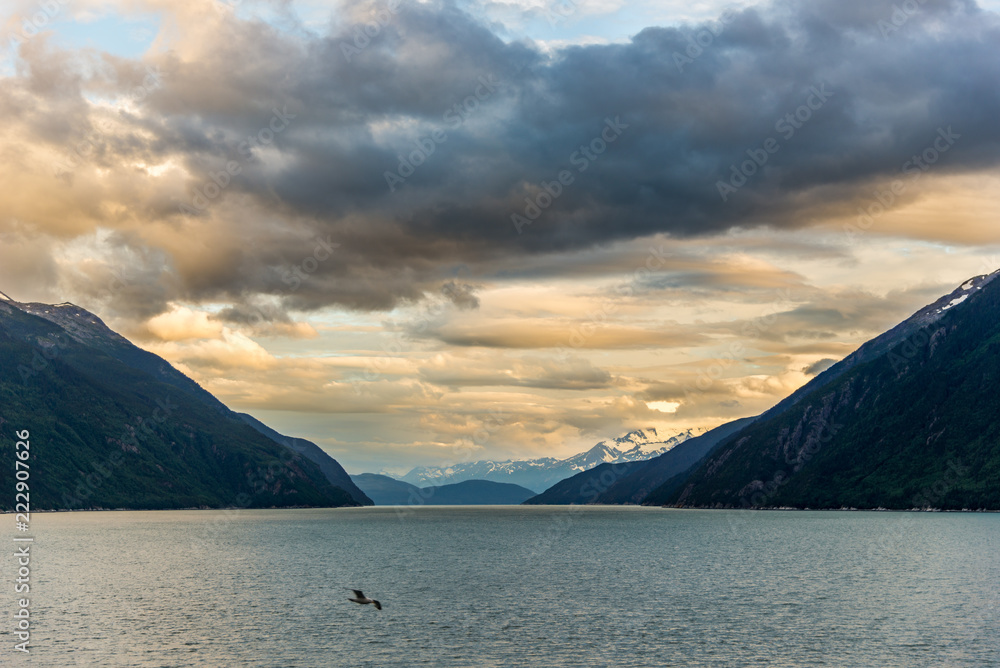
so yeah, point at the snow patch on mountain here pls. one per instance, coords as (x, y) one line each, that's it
(955, 302)
(541, 473)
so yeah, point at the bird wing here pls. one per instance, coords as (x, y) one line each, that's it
(358, 593)
(378, 606)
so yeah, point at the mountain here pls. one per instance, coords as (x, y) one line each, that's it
(586, 486)
(622, 483)
(540, 474)
(330, 467)
(907, 421)
(114, 426)
(634, 487)
(87, 328)
(476, 492)
(387, 491)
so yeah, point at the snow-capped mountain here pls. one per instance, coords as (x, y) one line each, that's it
(540, 474)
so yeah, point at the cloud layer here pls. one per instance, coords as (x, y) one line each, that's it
(309, 125)
(576, 229)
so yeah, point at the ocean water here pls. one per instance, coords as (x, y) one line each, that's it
(510, 586)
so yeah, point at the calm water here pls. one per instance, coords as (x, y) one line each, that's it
(512, 587)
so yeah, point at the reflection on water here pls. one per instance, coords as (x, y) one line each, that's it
(513, 586)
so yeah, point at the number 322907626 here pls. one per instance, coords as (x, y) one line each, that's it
(21, 473)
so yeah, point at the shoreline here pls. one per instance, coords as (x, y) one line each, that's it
(566, 506)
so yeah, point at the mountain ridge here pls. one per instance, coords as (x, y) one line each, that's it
(386, 491)
(630, 482)
(879, 345)
(89, 329)
(123, 429)
(541, 473)
(664, 480)
(888, 428)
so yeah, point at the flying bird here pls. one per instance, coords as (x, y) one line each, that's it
(359, 597)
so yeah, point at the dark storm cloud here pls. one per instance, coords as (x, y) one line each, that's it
(309, 130)
(247, 315)
(461, 295)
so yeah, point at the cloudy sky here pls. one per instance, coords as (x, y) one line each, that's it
(421, 232)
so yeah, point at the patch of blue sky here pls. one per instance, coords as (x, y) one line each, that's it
(125, 36)
(564, 22)
(8, 67)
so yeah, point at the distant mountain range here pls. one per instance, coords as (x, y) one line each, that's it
(909, 420)
(114, 426)
(386, 491)
(540, 474)
(631, 482)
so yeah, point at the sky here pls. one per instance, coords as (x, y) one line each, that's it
(419, 233)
